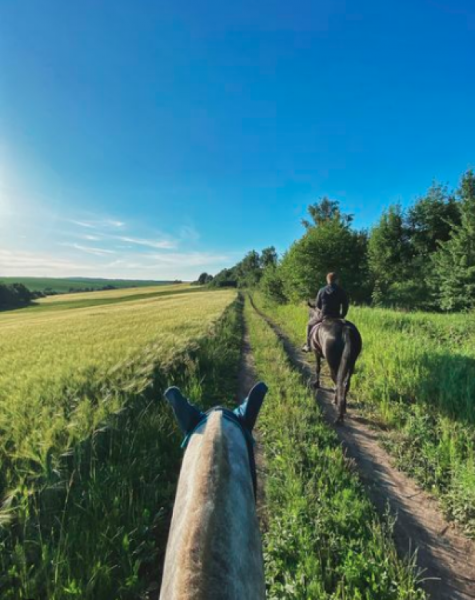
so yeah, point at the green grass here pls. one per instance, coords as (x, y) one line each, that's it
(416, 379)
(324, 539)
(64, 285)
(89, 453)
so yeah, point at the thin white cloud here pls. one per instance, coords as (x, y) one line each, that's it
(89, 249)
(90, 238)
(97, 223)
(82, 223)
(189, 234)
(158, 244)
(192, 259)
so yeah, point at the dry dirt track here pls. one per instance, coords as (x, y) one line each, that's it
(444, 555)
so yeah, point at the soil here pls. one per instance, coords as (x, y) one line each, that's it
(443, 555)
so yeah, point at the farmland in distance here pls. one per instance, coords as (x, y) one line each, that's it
(61, 285)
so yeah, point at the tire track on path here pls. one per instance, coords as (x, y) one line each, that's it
(445, 556)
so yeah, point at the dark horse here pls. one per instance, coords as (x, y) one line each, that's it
(339, 342)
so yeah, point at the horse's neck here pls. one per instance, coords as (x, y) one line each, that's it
(214, 548)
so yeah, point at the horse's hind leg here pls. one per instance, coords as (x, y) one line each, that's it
(333, 374)
(341, 396)
(318, 368)
(346, 391)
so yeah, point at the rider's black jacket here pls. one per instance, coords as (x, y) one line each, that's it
(332, 300)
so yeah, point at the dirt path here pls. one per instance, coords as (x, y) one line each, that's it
(247, 377)
(444, 555)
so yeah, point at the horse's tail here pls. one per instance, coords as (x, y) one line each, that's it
(345, 369)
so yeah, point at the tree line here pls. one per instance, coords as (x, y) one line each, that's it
(420, 257)
(16, 295)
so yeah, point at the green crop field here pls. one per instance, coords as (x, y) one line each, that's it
(416, 381)
(102, 297)
(74, 388)
(64, 285)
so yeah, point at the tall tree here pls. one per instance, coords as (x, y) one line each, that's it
(389, 255)
(249, 270)
(454, 263)
(269, 257)
(204, 278)
(325, 210)
(327, 245)
(431, 220)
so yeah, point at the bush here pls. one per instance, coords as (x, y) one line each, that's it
(15, 295)
(272, 285)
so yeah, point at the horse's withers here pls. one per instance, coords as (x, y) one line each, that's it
(214, 548)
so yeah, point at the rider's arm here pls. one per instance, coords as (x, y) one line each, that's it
(344, 304)
(318, 301)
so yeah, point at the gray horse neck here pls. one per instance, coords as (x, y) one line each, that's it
(214, 550)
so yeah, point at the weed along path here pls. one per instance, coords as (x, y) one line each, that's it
(444, 555)
(247, 377)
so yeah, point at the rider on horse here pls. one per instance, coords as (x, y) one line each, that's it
(332, 303)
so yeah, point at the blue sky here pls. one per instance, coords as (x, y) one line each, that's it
(160, 139)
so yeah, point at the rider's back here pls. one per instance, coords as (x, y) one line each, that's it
(332, 302)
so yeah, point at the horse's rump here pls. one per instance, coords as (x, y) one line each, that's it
(339, 342)
(328, 329)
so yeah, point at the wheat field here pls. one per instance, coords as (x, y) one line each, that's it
(89, 452)
(54, 365)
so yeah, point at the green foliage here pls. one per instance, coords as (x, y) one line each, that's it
(402, 245)
(225, 278)
(454, 263)
(324, 539)
(248, 270)
(15, 295)
(389, 252)
(247, 273)
(431, 219)
(53, 285)
(329, 245)
(325, 210)
(416, 377)
(272, 284)
(269, 258)
(204, 279)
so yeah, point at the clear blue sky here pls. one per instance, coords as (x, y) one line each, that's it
(159, 139)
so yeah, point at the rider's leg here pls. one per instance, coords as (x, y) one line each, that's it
(306, 346)
(311, 324)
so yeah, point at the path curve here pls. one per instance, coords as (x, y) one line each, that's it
(445, 556)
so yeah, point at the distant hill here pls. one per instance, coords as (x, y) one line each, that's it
(77, 284)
